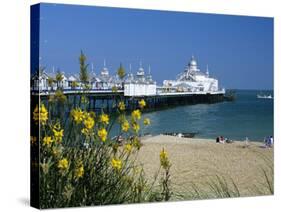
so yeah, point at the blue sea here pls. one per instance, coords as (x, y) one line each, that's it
(247, 116)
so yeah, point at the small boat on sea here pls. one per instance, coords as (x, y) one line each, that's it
(263, 96)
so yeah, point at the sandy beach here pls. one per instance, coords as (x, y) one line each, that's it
(196, 160)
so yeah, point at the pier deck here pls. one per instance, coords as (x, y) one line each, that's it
(105, 99)
(121, 92)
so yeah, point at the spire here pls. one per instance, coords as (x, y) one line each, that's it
(207, 70)
(149, 77)
(141, 70)
(104, 71)
(130, 67)
(92, 66)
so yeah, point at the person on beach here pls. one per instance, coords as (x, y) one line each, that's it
(217, 139)
(247, 142)
(220, 140)
(269, 141)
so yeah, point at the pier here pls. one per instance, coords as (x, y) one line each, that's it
(106, 99)
(103, 91)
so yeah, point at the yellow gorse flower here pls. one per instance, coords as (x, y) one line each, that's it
(58, 134)
(89, 122)
(85, 131)
(146, 121)
(63, 164)
(142, 103)
(164, 160)
(40, 114)
(135, 126)
(121, 106)
(43, 114)
(136, 114)
(116, 164)
(104, 118)
(47, 140)
(36, 114)
(163, 154)
(77, 115)
(125, 126)
(128, 148)
(79, 171)
(102, 133)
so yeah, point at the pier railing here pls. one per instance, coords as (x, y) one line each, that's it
(121, 92)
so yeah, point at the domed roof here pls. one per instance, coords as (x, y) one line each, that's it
(193, 61)
(104, 69)
(141, 69)
(104, 72)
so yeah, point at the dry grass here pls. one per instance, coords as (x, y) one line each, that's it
(200, 161)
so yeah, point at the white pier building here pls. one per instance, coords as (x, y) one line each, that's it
(140, 85)
(192, 79)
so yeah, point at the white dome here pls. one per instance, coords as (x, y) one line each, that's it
(104, 71)
(193, 62)
(141, 69)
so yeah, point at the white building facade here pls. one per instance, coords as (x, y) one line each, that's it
(140, 85)
(193, 80)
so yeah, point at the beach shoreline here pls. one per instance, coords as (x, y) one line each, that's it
(194, 160)
(176, 139)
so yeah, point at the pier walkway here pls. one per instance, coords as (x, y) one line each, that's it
(107, 98)
(109, 92)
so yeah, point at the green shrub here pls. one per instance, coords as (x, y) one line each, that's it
(80, 165)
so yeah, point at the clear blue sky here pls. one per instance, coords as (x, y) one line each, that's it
(238, 49)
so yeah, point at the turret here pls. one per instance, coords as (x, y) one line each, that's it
(192, 65)
(140, 72)
(149, 76)
(207, 71)
(104, 71)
